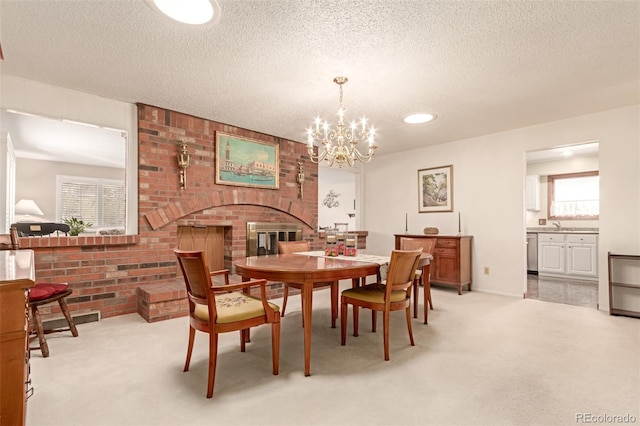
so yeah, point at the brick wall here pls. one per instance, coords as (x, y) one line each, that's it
(105, 272)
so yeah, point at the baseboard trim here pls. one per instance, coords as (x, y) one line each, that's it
(78, 318)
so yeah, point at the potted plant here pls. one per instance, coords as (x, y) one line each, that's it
(76, 226)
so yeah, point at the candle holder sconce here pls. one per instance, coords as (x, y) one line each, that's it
(300, 179)
(184, 161)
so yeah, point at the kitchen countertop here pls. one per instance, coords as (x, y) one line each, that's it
(567, 230)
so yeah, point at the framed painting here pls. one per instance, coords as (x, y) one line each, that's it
(242, 161)
(435, 189)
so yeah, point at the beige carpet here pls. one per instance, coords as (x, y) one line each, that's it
(482, 360)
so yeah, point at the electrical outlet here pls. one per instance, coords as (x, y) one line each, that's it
(542, 221)
(487, 270)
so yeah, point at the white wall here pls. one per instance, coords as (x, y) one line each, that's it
(7, 182)
(489, 173)
(36, 180)
(342, 182)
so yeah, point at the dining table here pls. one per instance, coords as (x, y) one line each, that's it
(307, 268)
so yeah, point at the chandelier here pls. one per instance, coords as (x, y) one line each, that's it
(339, 144)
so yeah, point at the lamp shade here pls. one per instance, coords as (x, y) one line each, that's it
(28, 207)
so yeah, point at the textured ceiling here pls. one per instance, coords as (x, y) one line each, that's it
(481, 66)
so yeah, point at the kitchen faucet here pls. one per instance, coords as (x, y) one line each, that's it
(557, 225)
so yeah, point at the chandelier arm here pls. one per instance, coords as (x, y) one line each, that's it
(365, 158)
(313, 157)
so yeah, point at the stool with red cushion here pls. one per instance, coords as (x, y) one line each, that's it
(42, 294)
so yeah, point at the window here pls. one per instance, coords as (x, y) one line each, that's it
(574, 196)
(98, 201)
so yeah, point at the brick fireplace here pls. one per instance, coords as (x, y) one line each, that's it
(123, 274)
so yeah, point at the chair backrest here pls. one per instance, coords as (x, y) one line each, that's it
(5, 242)
(10, 241)
(287, 247)
(402, 269)
(196, 278)
(427, 244)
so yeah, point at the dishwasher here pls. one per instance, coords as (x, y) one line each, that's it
(532, 253)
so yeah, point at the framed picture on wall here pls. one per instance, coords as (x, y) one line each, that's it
(435, 189)
(242, 161)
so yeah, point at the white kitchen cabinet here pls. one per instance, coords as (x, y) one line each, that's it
(582, 255)
(532, 193)
(568, 255)
(551, 254)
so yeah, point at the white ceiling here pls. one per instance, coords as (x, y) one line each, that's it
(481, 66)
(48, 139)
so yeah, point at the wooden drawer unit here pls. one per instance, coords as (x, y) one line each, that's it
(451, 259)
(16, 276)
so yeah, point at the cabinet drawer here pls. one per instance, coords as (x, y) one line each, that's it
(582, 238)
(554, 238)
(444, 251)
(446, 243)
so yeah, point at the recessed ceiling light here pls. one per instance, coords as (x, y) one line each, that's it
(419, 118)
(193, 12)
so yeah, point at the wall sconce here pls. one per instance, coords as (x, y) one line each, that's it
(300, 179)
(184, 160)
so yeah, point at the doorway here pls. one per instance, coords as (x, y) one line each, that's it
(541, 220)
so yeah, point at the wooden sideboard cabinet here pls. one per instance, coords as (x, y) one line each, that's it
(451, 263)
(16, 276)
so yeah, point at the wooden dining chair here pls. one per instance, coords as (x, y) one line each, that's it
(223, 309)
(392, 295)
(288, 247)
(427, 245)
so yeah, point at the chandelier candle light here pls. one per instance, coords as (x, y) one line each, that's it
(339, 144)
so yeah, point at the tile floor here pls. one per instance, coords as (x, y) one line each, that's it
(568, 292)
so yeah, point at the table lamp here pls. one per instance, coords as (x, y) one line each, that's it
(27, 209)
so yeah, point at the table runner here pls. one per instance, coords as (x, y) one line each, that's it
(383, 261)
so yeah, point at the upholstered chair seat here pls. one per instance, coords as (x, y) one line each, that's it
(232, 307)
